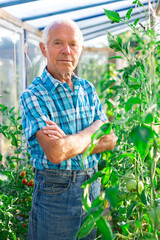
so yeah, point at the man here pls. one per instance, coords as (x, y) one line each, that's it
(60, 112)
